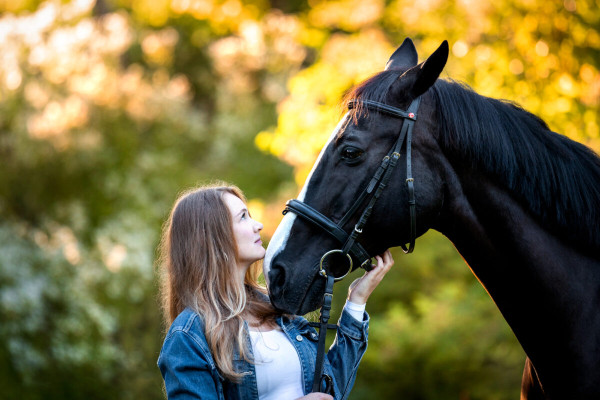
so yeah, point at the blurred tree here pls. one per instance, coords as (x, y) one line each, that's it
(104, 119)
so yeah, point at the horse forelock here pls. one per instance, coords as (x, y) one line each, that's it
(376, 88)
(555, 178)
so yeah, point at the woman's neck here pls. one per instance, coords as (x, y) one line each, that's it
(256, 324)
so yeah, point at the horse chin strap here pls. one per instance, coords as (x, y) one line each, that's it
(351, 248)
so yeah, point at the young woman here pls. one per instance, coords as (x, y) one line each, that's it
(225, 340)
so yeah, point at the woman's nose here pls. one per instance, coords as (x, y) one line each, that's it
(258, 226)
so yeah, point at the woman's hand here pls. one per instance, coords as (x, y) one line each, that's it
(316, 396)
(361, 288)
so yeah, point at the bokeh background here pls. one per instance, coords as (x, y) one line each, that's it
(110, 108)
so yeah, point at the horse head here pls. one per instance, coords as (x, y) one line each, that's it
(343, 182)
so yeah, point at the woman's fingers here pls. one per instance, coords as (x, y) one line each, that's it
(384, 263)
(387, 258)
(379, 260)
(361, 288)
(316, 396)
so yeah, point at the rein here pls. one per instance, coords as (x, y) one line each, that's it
(351, 249)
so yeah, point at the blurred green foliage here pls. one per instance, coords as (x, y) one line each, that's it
(109, 108)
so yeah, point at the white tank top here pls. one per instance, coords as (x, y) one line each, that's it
(277, 365)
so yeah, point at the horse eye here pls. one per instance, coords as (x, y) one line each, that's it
(351, 153)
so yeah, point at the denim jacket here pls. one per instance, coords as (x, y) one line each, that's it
(189, 370)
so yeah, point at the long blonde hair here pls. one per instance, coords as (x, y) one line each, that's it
(198, 256)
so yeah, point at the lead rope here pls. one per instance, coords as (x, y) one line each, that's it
(322, 382)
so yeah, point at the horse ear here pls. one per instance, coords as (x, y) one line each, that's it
(404, 57)
(430, 70)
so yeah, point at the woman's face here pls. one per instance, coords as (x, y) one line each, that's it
(245, 230)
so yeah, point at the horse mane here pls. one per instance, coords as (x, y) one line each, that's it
(555, 178)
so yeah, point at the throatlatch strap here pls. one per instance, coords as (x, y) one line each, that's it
(410, 181)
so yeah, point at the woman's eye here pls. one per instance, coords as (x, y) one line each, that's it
(351, 153)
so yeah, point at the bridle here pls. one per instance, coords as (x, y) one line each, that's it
(351, 249)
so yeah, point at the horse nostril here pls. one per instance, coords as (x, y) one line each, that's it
(277, 275)
(276, 280)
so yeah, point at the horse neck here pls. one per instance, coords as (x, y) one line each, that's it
(546, 291)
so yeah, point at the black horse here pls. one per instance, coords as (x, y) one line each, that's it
(519, 202)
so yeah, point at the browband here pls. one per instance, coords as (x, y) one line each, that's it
(384, 108)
